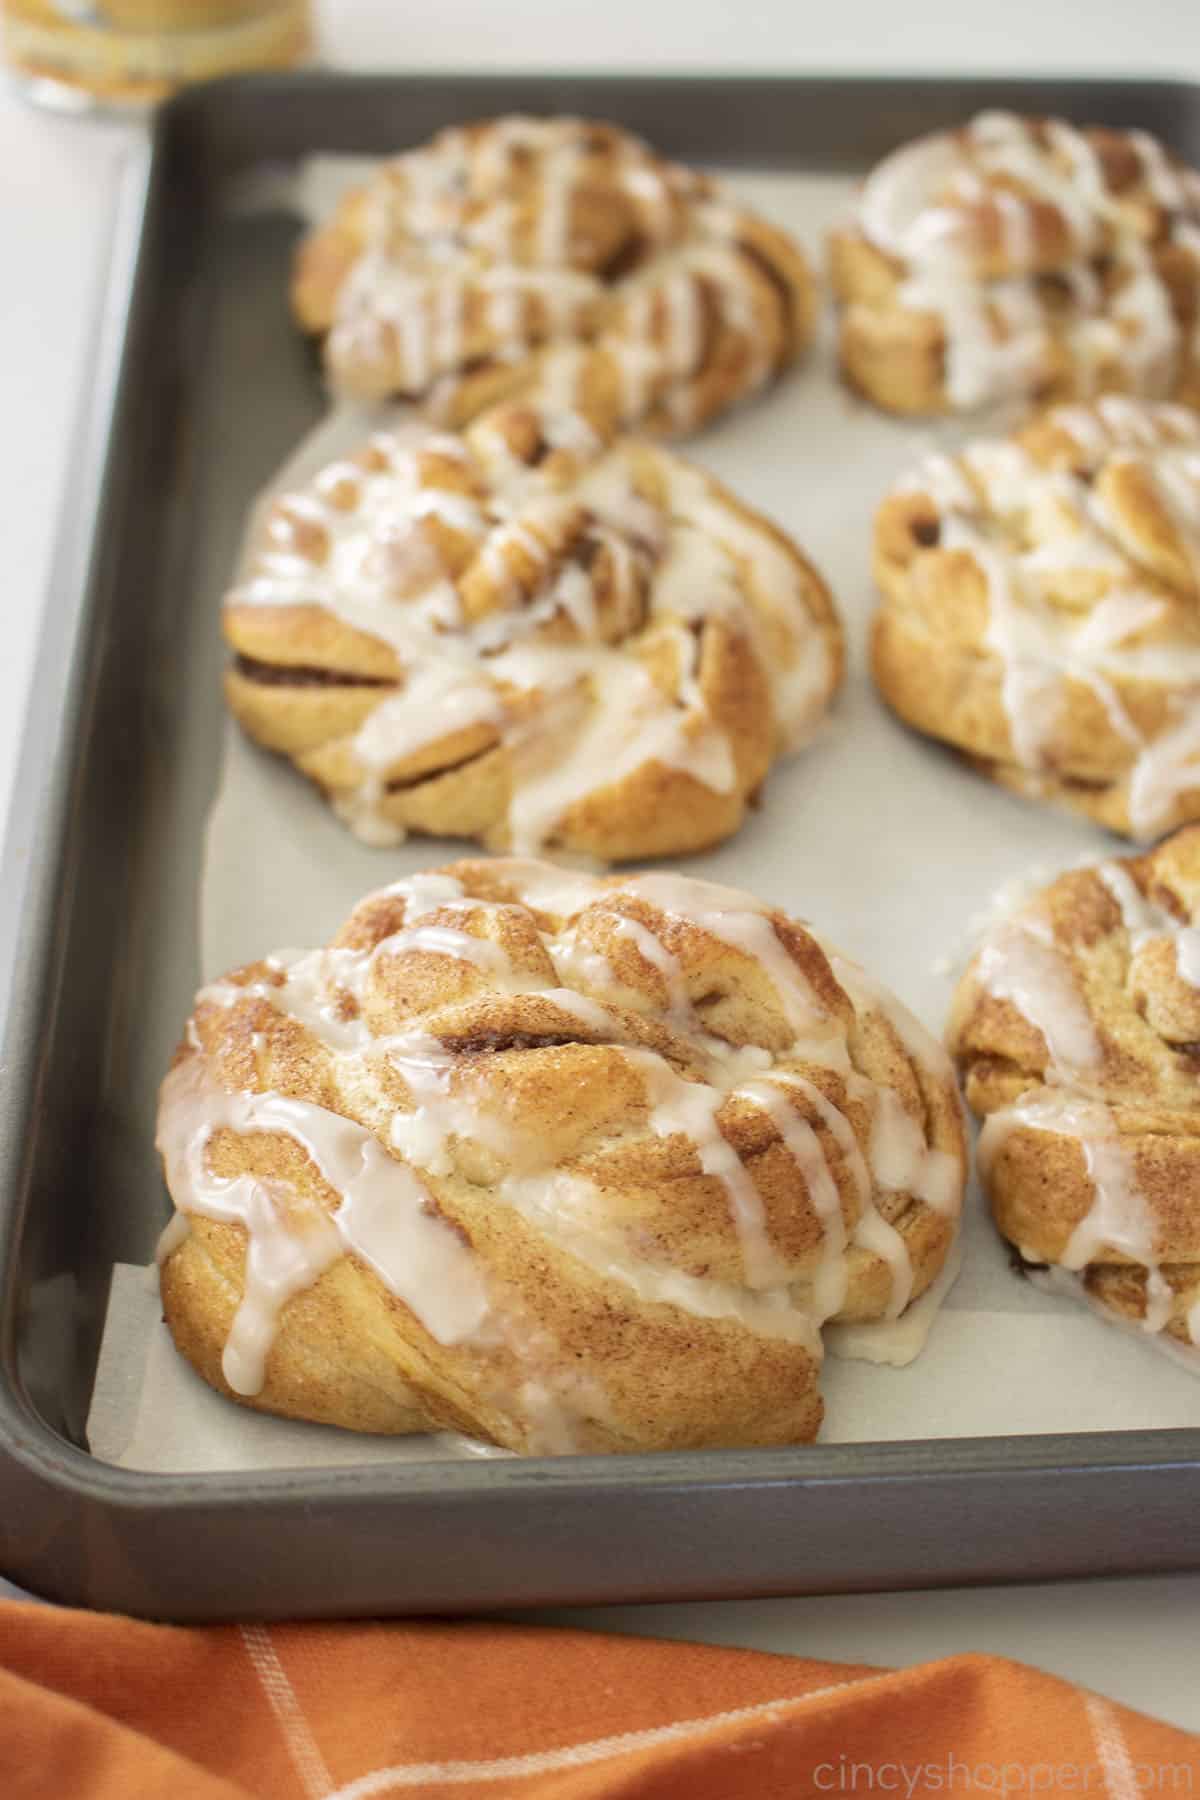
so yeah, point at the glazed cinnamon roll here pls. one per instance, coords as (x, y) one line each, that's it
(562, 1163)
(1041, 609)
(1077, 1027)
(1021, 258)
(531, 634)
(457, 262)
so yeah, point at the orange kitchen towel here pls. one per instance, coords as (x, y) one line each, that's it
(93, 1707)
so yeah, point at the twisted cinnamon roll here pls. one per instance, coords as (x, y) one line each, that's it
(439, 279)
(1022, 257)
(530, 634)
(1041, 609)
(1077, 1027)
(559, 1162)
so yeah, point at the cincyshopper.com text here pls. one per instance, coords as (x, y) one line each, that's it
(955, 1776)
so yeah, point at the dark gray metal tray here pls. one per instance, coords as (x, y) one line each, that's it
(192, 408)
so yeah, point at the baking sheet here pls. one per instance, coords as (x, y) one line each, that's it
(884, 842)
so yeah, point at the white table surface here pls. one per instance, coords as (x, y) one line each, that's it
(1134, 1639)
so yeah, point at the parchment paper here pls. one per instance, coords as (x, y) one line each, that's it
(888, 845)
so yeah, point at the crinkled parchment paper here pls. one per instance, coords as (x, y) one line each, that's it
(884, 842)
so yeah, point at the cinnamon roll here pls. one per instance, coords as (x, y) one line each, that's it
(1026, 258)
(499, 241)
(1077, 1027)
(560, 1162)
(1041, 609)
(531, 633)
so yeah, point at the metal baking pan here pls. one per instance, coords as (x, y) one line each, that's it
(97, 967)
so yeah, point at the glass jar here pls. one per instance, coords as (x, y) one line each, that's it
(130, 53)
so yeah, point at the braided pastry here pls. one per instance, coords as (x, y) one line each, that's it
(530, 634)
(560, 1162)
(438, 279)
(1041, 609)
(1077, 1026)
(1022, 257)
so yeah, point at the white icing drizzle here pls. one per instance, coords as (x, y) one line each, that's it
(1119, 1221)
(932, 207)
(872, 1232)
(552, 888)
(1146, 921)
(424, 893)
(895, 1343)
(1118, 1218)
(981, 364)
(1168, 768)
(1031, 530)
(387, 1212)
(1020, 962)
(902, 1161)
(437, 701)
(384, 1216)
(652, 948)
(599, 715)
(803, 1145)
(924, 1049)
(626, 726)
(308, 991)
(798, 658)
(681, 1108)
(894, 210)
(1160, 1301)
(564, 1205)
(744, 925)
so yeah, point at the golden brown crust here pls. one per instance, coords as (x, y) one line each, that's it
(1041, 610)
(532, 632)
(1020, 258)
(460, 261)
(621, 1110)
(1077, 1028)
